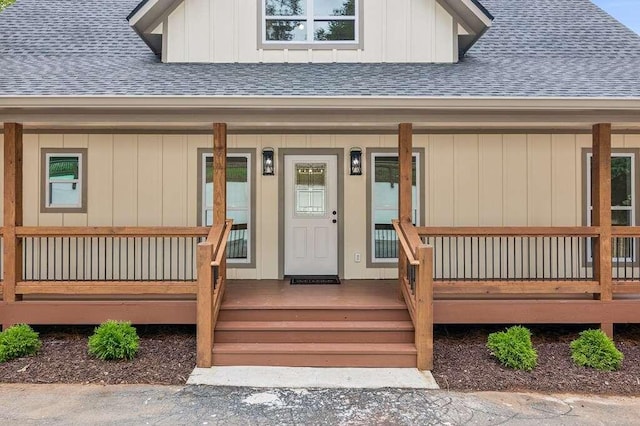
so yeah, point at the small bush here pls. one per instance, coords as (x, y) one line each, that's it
(596, 350)
(18, 341)
(513, 348)
(114, 340)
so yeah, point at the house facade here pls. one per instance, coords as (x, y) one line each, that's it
(482, 125)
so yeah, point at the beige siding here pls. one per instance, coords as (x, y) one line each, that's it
(228, 31)
(470, 180)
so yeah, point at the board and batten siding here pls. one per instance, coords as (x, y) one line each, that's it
(470, 180)
(224, 31)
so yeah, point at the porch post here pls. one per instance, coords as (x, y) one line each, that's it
(12, 246)
(601, 190)
(220, 181)
(405, 149)
(424, 309)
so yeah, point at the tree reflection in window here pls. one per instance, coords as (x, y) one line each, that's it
(310, 20)
(339, 29)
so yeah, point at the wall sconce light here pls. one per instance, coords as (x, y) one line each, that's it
(268, 165)
(356, 162)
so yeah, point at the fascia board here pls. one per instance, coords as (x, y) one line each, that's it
(467, 14)
(336, 102)
(141, 12)
(149, 17)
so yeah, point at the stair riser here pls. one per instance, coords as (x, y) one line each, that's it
(313, 315)
(288, 336)
(316, 360)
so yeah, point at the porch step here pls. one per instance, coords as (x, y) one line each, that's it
(313, 314)
(316, 354)
(314, 332)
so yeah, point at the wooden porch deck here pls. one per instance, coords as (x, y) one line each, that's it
(278, 294)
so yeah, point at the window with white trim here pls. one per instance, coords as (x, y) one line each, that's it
(239, 170)
(384, 181)
(623, 200)
(310, 21)
(64, 180)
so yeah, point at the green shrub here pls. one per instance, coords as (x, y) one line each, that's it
(595, 349)
(18, 341)
(114, 340)
(513, 348)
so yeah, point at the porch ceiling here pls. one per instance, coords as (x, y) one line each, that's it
(342, 115)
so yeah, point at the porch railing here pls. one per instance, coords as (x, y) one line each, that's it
(625, 253)
(512, 259)
(108, 260)
(211, 287)
(416, 284)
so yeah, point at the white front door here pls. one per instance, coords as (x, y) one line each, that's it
(311, 215)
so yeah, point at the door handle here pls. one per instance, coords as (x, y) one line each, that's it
(334, 221)
(334, 213)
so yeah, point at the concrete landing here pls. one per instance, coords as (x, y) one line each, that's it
(313, 378)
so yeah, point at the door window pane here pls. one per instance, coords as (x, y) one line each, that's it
(310, 189)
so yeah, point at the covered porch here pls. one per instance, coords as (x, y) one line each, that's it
(445, 275)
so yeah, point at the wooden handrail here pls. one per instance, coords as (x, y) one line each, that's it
(211, 256)
(625, 231)
(222, 244)
(509, 231)
(104, 231)
(409, 252)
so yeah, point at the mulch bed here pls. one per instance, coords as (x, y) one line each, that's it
(167, 356)
(462, 362)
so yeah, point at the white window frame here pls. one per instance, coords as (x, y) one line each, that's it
(205, 208)
(631, 208)
(49, 180)
(310, 19)
(416, 211)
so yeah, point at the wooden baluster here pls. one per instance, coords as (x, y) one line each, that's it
(424, 308)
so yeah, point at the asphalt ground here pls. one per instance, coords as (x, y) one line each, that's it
(208, 405)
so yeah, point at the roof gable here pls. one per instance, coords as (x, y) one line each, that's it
(471, 15)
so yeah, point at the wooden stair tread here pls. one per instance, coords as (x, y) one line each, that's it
(271, 306)
(315, 325)
(316, 348)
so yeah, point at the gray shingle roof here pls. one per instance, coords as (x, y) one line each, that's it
(542, 48)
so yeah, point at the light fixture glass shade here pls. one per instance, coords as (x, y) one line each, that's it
(356, 162)
(268, 164)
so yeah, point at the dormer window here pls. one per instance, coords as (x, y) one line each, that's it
(310, 23)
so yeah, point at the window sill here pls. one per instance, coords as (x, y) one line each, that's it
(63, 210)
(310, 46)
